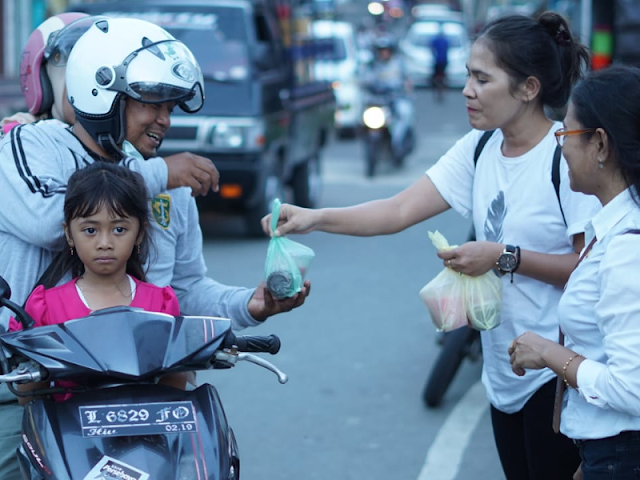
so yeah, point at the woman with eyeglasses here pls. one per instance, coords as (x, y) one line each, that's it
(517, 66)
(599, 311)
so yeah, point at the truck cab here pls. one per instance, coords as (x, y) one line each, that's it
(265, 119)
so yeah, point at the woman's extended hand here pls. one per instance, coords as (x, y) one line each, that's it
(528, 351)
(472, 258)
(292, 219)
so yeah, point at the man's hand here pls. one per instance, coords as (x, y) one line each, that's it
(193, 171)
(262, 305)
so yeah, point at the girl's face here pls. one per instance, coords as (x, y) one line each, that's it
(491, 103)
(581, 156)
(147, 124)
(103, 241)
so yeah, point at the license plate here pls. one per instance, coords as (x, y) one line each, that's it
(137, 419)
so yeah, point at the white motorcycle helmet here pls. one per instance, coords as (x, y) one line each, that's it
(132, 57)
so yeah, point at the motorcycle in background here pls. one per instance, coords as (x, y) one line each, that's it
(378, 118)
(119, 422)
(456, 346)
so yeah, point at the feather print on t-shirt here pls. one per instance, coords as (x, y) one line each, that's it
(495, 219)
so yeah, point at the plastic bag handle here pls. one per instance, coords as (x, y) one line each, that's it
(275, 214)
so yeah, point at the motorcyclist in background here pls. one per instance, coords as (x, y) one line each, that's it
(387, 73)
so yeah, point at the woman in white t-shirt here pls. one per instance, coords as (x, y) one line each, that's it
(517, 66)
(600, 309)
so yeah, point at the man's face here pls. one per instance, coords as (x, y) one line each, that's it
(384, 54)
(147, 124)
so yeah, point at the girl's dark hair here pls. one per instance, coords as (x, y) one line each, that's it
(542, 48)
(610, 99)
(123, 193)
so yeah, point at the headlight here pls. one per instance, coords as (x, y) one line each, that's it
(227, 136)
(248, 135)
(374, 117)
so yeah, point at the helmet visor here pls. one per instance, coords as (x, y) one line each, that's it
(164, 71)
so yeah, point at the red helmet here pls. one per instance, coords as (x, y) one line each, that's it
(34, 81)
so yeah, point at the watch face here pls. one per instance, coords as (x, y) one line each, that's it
(507, 262)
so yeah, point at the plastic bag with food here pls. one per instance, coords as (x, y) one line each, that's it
(455, 300)
(444, 296)
(287, 262)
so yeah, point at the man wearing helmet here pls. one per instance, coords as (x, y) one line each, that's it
(42, 80)
(124, 76)
(388, 73)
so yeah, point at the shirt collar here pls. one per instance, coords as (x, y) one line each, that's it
(610, 215)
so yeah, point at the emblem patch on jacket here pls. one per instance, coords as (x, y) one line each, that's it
(161, 210)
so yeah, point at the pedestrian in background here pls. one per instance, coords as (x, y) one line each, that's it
(440, 52)
(525, 229)
(599, 311)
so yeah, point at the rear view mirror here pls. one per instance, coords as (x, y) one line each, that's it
(263, 56)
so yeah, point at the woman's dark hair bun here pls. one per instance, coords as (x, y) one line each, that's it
(557, 28)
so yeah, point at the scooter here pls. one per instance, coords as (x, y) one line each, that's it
(378, 118)
(119, 423)
(456, 346)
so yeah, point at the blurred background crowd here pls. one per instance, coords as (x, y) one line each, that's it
(610, 27)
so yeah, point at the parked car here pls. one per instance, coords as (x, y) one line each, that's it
(416, 47)
(266, 118)
(437, 11)
(340, 66)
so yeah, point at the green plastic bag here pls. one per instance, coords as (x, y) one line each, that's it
(287, 262)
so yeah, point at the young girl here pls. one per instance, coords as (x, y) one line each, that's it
(106, 226)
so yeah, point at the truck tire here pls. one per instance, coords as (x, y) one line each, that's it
(454, 349)
(273, 189)
(306, 183)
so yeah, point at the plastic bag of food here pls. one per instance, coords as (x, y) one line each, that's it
(287, 262)
(444, 296)
(455, 300)
(483, 300)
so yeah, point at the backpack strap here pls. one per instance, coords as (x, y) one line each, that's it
(555, 178)
(481, 143)
(555, 167)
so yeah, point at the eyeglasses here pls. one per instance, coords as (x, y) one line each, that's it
(563, 132)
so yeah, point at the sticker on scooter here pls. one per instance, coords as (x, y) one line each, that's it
(137, 419)
(111, 469)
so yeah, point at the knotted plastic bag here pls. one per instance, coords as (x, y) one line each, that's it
(287, 262)
(455, 299)
(444, 296)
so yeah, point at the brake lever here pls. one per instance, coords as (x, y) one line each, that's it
(232, 356)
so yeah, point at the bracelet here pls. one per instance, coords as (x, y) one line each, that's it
(566, 365)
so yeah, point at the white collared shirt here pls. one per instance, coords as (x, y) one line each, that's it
(600, 315)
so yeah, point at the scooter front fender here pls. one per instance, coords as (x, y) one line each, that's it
(54, 447)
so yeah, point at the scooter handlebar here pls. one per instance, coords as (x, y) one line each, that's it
(256, 344)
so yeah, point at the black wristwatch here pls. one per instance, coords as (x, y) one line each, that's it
(509, 260)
